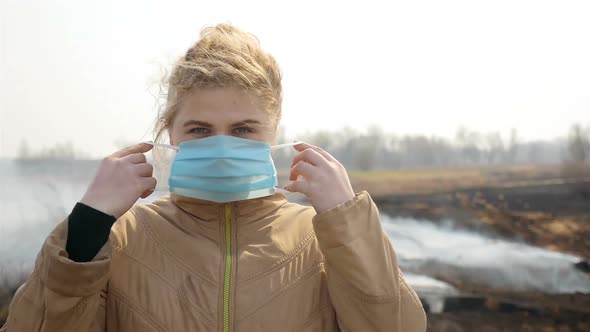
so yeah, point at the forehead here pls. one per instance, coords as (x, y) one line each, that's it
(217, 105)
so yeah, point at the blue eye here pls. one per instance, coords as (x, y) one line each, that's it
(243, 130)
(199, 130)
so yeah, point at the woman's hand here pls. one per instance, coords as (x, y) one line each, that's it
(120, 180)
(320, 177)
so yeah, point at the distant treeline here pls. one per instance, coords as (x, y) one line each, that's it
(375, 149)
(60, 151)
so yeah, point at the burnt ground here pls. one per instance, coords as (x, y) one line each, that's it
(554, 216)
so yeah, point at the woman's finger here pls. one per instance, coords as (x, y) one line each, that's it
(300, 186)
(135, 158)
(148, 184)
(311, 156)
(144, 169)
(302, 168)
(147, 193)
(138, 148)
(304, 146)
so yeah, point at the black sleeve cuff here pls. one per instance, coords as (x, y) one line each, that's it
(88, 231)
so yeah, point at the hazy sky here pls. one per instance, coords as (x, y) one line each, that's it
(82, 71)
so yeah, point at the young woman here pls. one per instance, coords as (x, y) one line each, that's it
(223, 252)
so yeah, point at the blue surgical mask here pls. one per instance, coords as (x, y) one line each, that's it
(224, 169)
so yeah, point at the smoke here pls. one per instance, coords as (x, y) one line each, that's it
(460, 256)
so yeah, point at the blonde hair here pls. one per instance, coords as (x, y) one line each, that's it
(224, 56)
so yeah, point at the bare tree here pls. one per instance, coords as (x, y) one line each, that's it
(578, 145)
(512, 150)
(417, 151)
(24, 151)
(468, 142)
(576, 167)
(494, 148)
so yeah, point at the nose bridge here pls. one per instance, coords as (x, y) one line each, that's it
(222, 131)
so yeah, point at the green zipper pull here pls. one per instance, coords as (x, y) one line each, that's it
(228, 265)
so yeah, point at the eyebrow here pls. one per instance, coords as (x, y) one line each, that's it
(208, 125)
(198, 123)
(247, 121)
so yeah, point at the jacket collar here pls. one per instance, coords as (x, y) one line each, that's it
(245, 211)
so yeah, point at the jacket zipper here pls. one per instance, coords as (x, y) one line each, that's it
(227, 270)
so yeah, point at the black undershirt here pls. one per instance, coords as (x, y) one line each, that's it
(88, 231)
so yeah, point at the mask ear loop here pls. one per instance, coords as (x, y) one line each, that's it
(284, 145)
(278, 147)
(282, 191)
(167, 146)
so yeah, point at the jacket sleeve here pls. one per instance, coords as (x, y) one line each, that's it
(366, 287)
(61, 294)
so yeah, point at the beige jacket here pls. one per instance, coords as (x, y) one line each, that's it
(182, 264)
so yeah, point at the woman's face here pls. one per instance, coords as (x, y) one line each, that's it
(222, 111)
